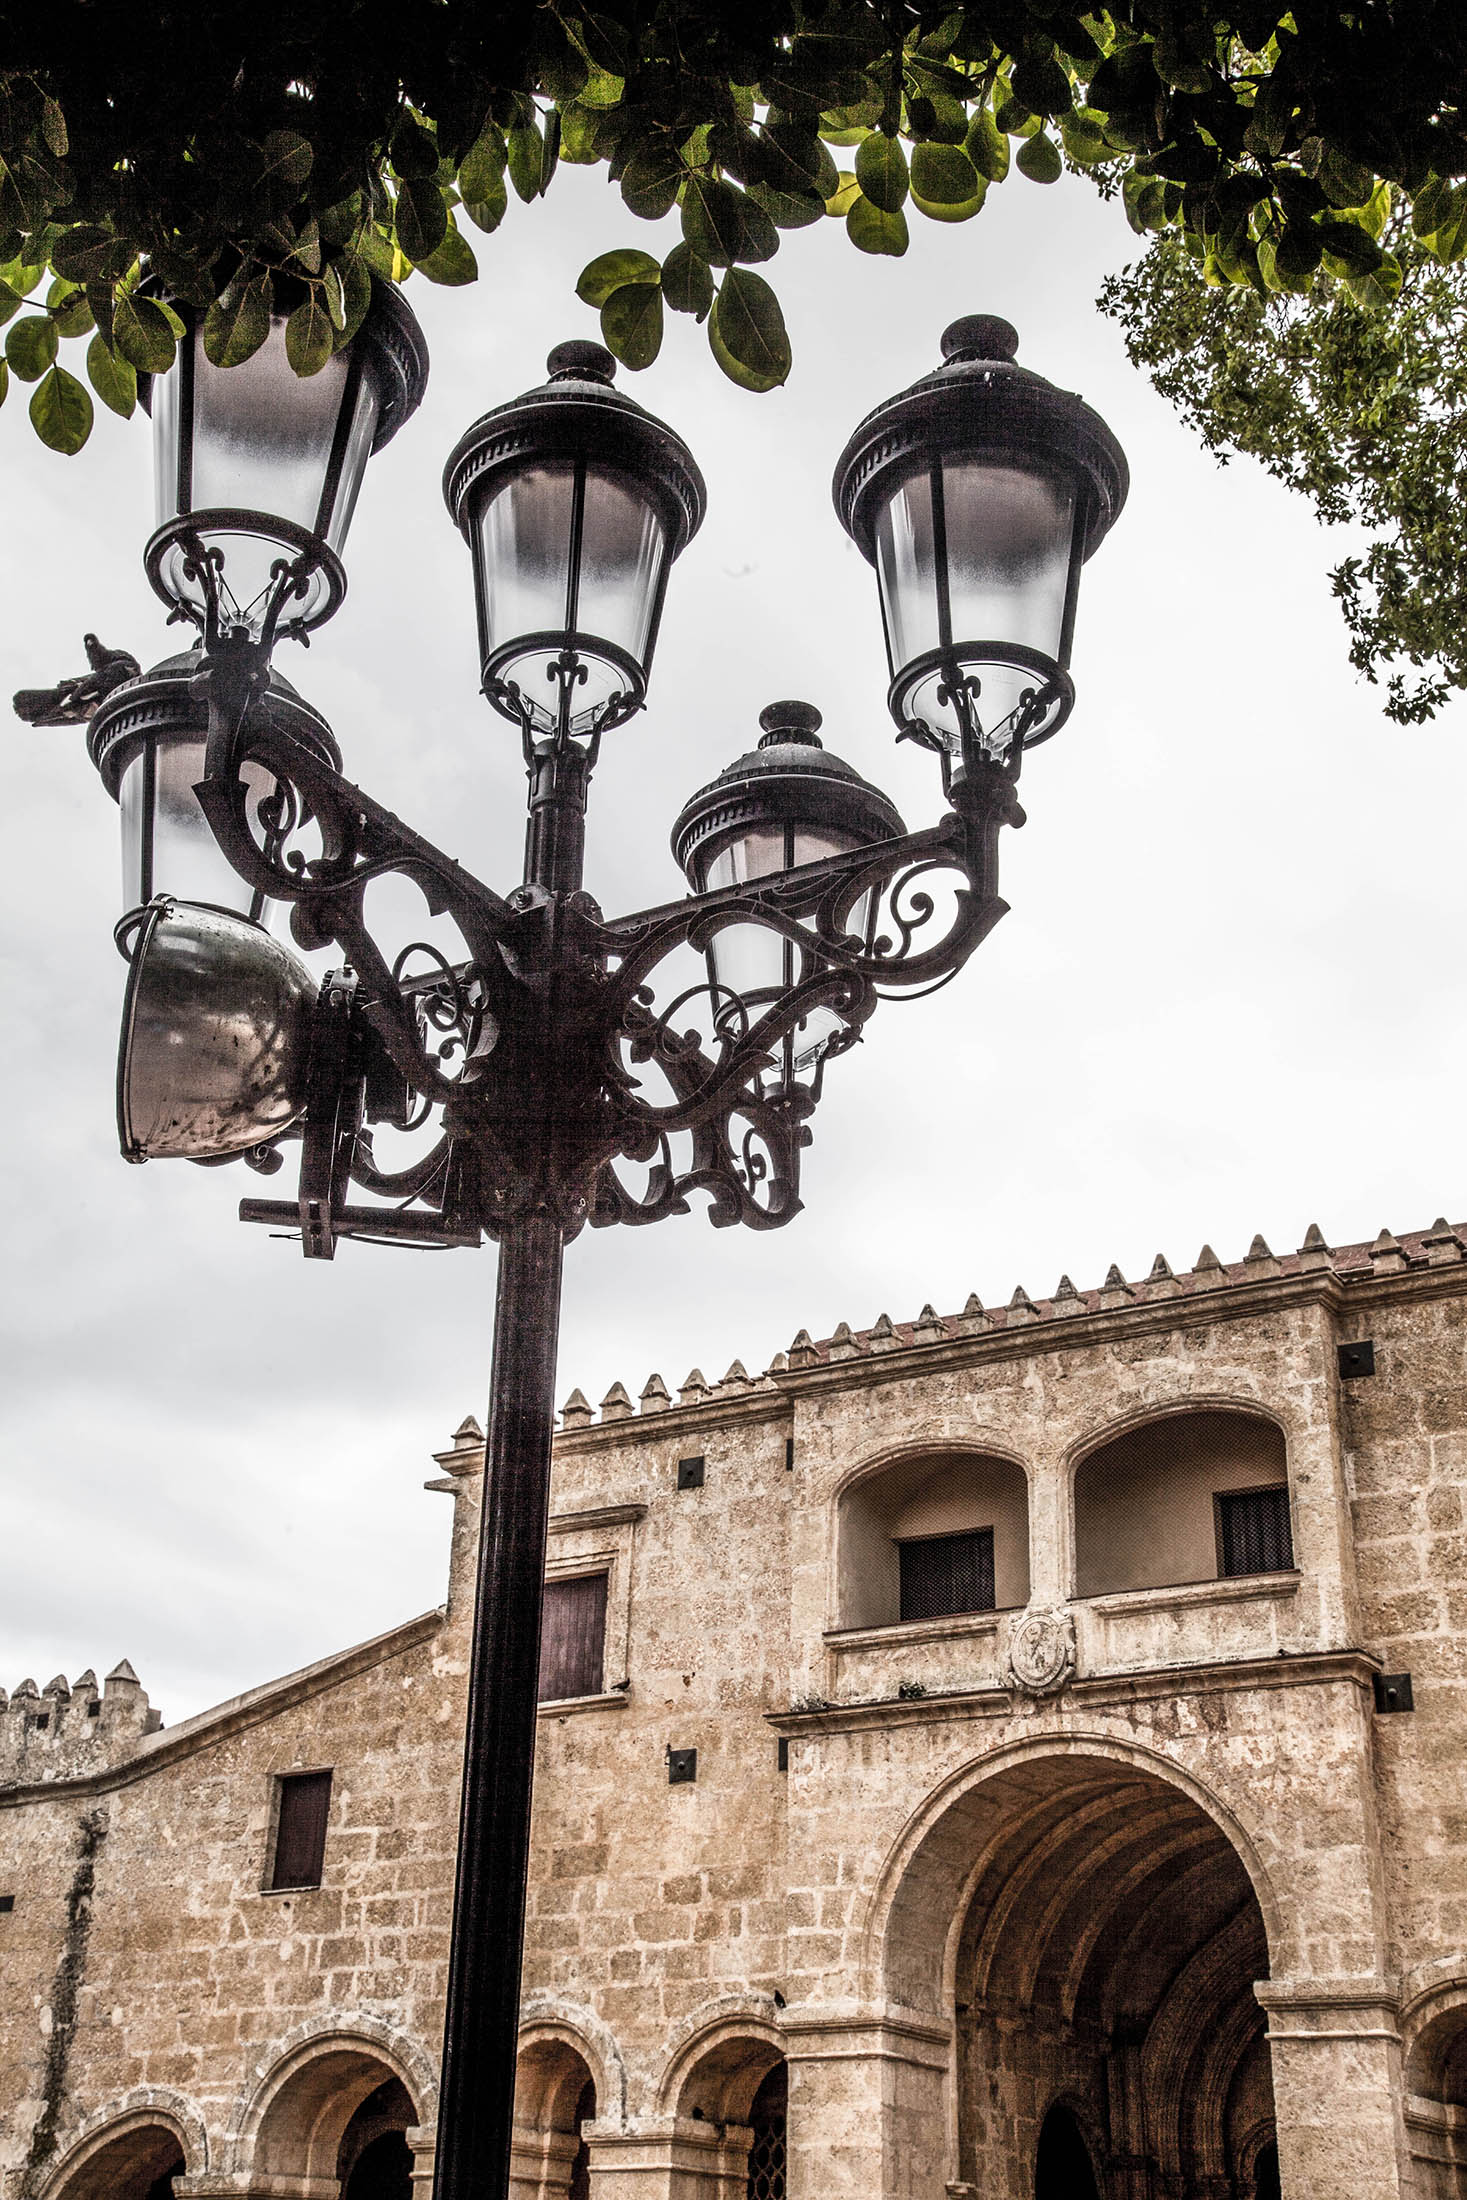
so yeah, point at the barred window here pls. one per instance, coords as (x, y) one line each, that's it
(303, 1800)
(947, 1574)
(573, 1638)
(767, 2152)
(1253, 1531)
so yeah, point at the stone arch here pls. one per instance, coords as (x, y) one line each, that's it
(1067, 2137)
(1143, 1490)
(716, 2059)
(292, 2117)
(547, 2016)
(556, 2094)
(119, 2153)
(937, 1486)
(1434, 2040)
(927, 1878)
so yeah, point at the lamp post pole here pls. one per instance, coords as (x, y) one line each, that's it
(559, 1045)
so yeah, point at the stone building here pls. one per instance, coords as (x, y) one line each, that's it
(1009, 1754)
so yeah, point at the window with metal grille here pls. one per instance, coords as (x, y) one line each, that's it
(303, 1801)
(768, 2118)
(1253, 1531)
(944, 1574)
(572, 1638)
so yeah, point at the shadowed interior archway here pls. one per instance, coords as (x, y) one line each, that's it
(555, 2094)
(138, 2164)
(338, 2117)
(1103, 1939)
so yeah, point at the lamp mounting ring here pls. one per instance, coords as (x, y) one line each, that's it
(1043, 709)
(309, 573)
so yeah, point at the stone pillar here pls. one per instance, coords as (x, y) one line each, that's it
(870, 2110)
(668, 2158)
(423, 2139)
(540, 2163)
(1337, 2086)
(1051, 1533)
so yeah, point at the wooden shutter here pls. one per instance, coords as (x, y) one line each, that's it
(300, 1829)
(946, 1574)
(1253, 1531)
(573, 1638)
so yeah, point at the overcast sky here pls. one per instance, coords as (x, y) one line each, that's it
(1227, 998)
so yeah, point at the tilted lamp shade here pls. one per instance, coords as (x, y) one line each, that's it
(977, 495)
(147, 741)
(574, 502)
(270, 463)
(788, 802)
(215, 1036)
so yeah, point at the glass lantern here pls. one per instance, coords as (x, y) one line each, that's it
(574, 502)
(258, 463)
(977, 495)
(788, 802)
(147, 740)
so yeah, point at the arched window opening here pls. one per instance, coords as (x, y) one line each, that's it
(768, 2116)
(1194, 1497)
(140, 2164)
(937, 1536)
(374, 2160)
(1064, 2170)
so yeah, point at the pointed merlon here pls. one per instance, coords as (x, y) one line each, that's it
(1161, 1283)
(26, 1693)
(737, 1377)
(1441, 1243)
(617, 1404)
(779, 1365)
(694, 1390)
(1115, 1291)
(802, 1351)
(1259, 1260)
(1161, 1269)
(1065, 1299)
(124, 1673)
(1208, 1271)
(57, 1687)
(468, 1431)
(655, 1397)
(86, 1679)
(973, 1316)
(927, 1329)
(1020, 1309)
(1258, 1250)
(1314, 1252)
(577, 1410)
(882, 1337)
(1386, 1257)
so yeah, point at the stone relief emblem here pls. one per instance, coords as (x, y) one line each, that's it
(1042, 1652)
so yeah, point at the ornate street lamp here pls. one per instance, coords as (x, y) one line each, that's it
(560, 1047)
(977, 494)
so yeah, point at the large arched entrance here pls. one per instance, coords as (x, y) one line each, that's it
(1105, 1944)
(336, 2118)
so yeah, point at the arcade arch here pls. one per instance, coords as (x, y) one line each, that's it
(925, 1498)
(1182, 1498)
(335, 2111)
(555, 2094)
(139, 2162)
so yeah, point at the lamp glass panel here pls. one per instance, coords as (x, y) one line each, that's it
(906, 570)
(356, 450)
(758, 964)
(623, 551)
(187, 861)
(263, 433)
(1008, 553)
(524, 554)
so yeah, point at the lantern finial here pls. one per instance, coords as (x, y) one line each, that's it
(581, 362)
(797, 722)
(979, 336)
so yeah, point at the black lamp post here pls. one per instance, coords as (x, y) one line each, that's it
(560, 1046)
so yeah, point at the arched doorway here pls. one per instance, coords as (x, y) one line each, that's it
(1063, 2169)
(1103, 1939)
(1266, 2173)
(139, 2164)
(737, 2089)
(555, 2094)
(337, 2115)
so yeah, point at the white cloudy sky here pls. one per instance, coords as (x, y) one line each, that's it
(1227, 999)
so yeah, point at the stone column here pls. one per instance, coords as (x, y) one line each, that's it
(668, 2158)
(423, 2139)
(1336, 2054)
(870, 2104)
(540, 2164)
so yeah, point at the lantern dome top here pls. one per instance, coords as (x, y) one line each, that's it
(577, 413)
(790, 778)
(162, 703)
(980, 403)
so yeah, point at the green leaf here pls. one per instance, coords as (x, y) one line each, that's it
(422, 218)
(1377, 291)
(602, 277)
(310, 338)
(69, 309)
(287, 159)
(1345, 182)
(335, 297)
(651, 180)
(578, 141)
(746, 332)
(61, 412)
(144, 333)
(713, 221)
(1043, 85)
(987, 147)
(483, 164)
(31, 345)
(238, 322)
(4, 381)
(527, 162)
(840, 202)
(785, 211)
(10, 302)
(1357, 252)
(356, 297)
(687, 282)
(413, 151)
(453, 263)
(943, 175)
(871, 229)
(112, 379)
(631, 323)
(487, 213)
(1039, 159)
(89, 254)
(881, 171)
(53, 127)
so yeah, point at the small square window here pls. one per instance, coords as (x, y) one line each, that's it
(943, 1575)
(573, 1638)
(7, 1904)
(43, 1720)
(690, 1474)
(1253, 1535)
(94, 1709)
(302, 1805)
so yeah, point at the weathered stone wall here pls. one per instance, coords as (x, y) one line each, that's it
(682, 1936)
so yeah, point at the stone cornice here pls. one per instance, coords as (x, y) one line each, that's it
(1318, 1668)
(206, 1728)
